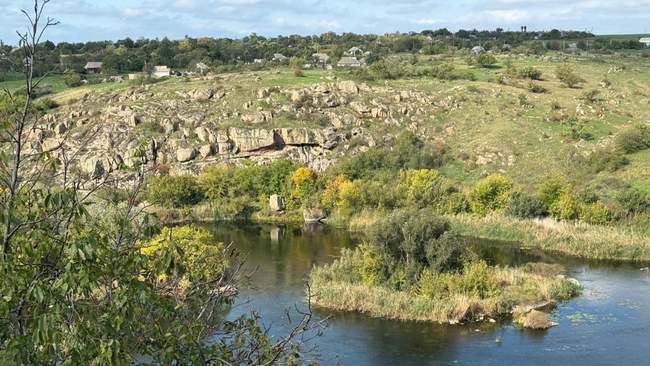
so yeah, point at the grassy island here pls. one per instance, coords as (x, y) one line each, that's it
(413, 267)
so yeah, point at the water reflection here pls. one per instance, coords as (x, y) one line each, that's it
(609, 324)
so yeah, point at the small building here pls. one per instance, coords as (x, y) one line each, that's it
(477, 50)
(278, 57)
(259, 61)
(354, 51)
(93, 67)
(135, 76)
(161, 72)
(351, 62)
(202, 68)
(645, 41)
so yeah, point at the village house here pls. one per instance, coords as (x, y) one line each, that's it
(258, 61)
(645, 41)
(161, 72)
(351, 62)
(93, 67)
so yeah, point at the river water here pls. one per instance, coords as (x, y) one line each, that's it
(609, 324)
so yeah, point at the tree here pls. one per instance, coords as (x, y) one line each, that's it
(78, 285)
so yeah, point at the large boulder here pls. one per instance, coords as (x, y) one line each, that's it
(276, 204)
(348, 86)
(313, 215)
(537, 320)
(94, 168)
(185, 155)
(248, 140)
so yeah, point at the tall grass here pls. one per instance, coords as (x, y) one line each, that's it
(576, 239)
(337, 287)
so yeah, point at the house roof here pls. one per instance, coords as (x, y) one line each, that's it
(279, 56)
(160, 68)
(202, 66)
(349, 61)
(645, 40)
(93, 65)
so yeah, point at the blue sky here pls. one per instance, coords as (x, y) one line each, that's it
(83, 20)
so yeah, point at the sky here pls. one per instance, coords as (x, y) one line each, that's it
(93, 20)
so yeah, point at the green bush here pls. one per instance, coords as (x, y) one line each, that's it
(634, 139)
(389, 68)
(536, 88)
(530, 72)
(523, 206)
(605, 160)
(634, 201)
(72, 79)
(564, 208)
(485, 60)
(568, 77)
(175, 192)
(407, 152)
(416, 237)
(594, 213)
(551, 190)
(490, 194)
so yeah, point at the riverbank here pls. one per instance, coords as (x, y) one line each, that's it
(571, 238)
(575, 239)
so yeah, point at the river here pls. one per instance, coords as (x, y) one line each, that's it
(609, 324)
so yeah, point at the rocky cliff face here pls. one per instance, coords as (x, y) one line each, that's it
(186, 130)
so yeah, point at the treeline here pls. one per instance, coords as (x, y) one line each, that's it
(402, 176)
(128, 55)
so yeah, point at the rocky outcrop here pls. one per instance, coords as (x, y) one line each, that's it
(313, 215)
(185, 155)
(275, 203)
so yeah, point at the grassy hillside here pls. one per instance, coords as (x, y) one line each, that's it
(486, 126)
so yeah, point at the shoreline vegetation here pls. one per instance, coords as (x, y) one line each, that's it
(421, 270)
(580, 240)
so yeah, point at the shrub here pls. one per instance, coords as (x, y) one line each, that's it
(485, 60)
(302, 182)
(478, 280)
(341, 193)
(72, 79)
(530, 72)
(490, 194)
(605, 160)
(417, 237)
(634, 139)
(594, 213)
(536, 88)
(590, 96)
(551, 190)
(568, 77)
(524, 206)
(388, 68)
(564, 208)
(422, 187)
(191, 251)
(634, 201)
(175, 192)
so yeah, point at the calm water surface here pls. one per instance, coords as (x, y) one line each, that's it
(608, 325)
